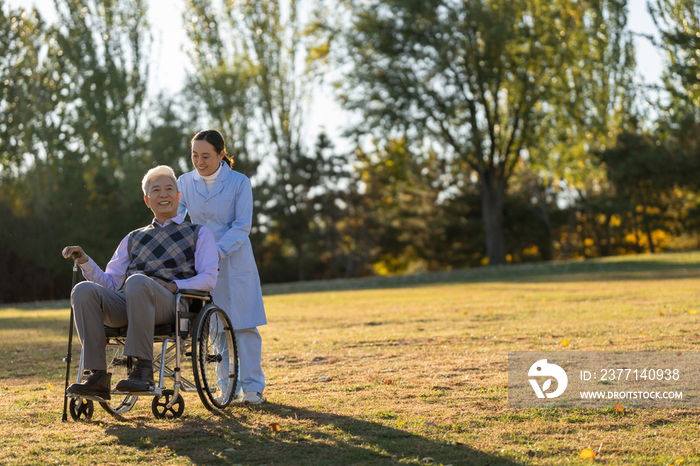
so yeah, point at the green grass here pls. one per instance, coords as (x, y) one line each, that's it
(388, 370)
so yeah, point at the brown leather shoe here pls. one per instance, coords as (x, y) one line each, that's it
(98, 384)
(140, 379)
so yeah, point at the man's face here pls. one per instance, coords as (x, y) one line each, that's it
(162, 197)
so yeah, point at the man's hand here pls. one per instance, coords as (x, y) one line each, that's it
(170, 286)
(76, 253)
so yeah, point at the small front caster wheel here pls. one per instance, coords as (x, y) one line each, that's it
(160, 409)
(81, 410)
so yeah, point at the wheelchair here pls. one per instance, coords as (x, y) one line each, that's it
(203, 332)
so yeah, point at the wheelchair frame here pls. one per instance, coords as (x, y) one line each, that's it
(193, 332)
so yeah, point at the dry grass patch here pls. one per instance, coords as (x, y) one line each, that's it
(389, 374)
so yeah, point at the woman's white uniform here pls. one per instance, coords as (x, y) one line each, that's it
(227, 210)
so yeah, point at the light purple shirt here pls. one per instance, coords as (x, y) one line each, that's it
(206, 263)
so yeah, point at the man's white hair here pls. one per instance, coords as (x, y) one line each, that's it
(160, 170)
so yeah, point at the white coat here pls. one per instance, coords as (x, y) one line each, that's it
(227, 210)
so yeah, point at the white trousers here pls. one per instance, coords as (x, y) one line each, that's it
(250, 374)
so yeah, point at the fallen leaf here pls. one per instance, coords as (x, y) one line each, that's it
(692, 311)
(679, 353)
(274, 427)
(642, 332)
(441, 343)
(465, 313)
(565, 342)
(544, 300)
(24, 446)
(387, 382)
(587, 453)
(50, 385)
(619, 408)
(661, 313)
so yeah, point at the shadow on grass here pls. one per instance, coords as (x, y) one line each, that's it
(611, 269)
(309, 437)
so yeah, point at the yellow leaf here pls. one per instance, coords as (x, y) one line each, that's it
(465, 313)
(565, 342)
(661, 313)
(675, 310)
(587, 453)
(50, 385)
(619, 408)
(642, 332)
(274, 427)
(692, 311)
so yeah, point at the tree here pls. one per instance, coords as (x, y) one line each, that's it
(483, 79)
(255, 63)
(72, 104)
(678, 22)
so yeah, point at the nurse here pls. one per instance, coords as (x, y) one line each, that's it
(222, 199)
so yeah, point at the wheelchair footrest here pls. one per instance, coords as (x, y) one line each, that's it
(96, 399)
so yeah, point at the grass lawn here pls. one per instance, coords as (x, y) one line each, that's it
(389, 370)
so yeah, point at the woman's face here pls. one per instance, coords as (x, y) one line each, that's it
(205, 158)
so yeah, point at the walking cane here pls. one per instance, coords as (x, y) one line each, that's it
(67, 359)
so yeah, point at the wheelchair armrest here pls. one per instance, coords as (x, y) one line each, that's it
(195, 294)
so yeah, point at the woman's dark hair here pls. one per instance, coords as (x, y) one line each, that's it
(214, 138)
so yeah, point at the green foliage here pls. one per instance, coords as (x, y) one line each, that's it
(70, 146)
(678, 22)
(486, 80)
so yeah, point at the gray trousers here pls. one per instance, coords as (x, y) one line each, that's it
(142, 304)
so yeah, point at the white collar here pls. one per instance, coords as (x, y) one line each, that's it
(213, 176)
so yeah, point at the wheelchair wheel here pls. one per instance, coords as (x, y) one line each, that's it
(120, 366)
(160, 409)
(81, 409)
(214, 358)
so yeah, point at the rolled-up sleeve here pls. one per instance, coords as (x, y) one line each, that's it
(206, 264)
(115, 274)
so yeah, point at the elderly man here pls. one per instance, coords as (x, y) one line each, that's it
(139, 284)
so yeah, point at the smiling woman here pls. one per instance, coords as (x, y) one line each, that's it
(222, 199)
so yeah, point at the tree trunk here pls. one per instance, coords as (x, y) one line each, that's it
(492, 196)
(647, 227)
(547, 251)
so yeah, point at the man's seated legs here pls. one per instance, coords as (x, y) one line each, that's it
(147, 304)
(141, 305)
(96, 306)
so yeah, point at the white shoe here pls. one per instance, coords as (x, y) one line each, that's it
(252, 398)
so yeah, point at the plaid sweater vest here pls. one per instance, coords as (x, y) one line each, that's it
(163, 252)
